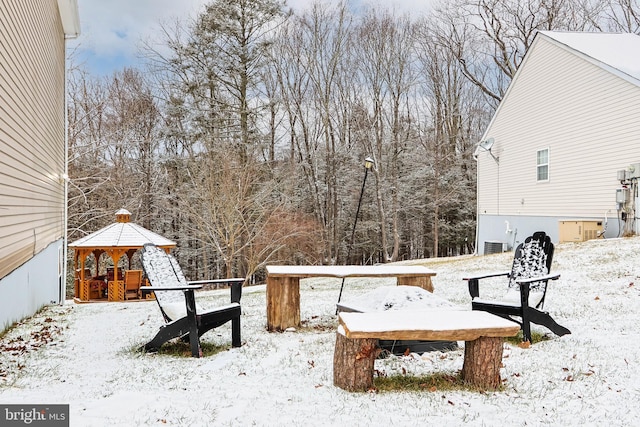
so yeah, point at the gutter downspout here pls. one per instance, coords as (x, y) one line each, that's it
(63, 285)
(475, 252)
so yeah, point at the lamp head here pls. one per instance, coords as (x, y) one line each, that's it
(368, 162)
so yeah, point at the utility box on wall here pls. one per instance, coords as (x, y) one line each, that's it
(579, 230)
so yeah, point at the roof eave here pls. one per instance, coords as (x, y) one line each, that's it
(70, 17)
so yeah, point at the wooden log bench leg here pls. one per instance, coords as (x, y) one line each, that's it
(353, 362)
(283, 303)
(423, 282)
(482, 362)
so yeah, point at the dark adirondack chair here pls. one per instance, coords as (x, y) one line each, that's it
(528, 280)
(175, 296)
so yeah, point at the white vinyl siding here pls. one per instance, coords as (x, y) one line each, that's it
(587, 116)
(31, 130)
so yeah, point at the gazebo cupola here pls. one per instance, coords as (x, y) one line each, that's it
(123, 215)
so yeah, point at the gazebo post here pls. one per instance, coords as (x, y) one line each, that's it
(78, 274)
(130, 254)
(83, 282)
(116, 286)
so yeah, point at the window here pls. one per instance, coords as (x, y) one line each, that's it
(543, 165)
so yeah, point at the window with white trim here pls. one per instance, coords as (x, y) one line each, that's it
(542, 165)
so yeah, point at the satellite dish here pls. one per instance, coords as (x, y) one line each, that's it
(487, 144)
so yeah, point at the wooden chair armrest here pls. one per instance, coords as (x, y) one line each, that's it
(236, 286)
(485, 276)
(474, 282)
(204, 282)
(147, 289)
(538, 279)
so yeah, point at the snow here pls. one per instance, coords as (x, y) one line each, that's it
(425, 321)
(84, 355)
(618, 50)
(349, 270)
(398, 298)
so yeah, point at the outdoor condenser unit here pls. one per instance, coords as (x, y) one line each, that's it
(493, 247)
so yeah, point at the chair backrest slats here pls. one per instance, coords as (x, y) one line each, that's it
(132, 279)
(532, 258)
(163, 269)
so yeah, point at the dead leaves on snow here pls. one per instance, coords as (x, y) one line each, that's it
(37, 338)
(19, 347)
(573, 377)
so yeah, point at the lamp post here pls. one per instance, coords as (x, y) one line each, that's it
(368, 164)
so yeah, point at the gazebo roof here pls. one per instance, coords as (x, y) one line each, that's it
(121, 234)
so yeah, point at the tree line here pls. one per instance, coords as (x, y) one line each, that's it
(243, 136)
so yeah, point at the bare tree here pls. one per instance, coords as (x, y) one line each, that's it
(489, 38)
(620, 15)
(113, 125)
(447, 135)
(384, 52)
(314, 80)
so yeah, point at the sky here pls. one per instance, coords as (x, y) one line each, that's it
(111, 31)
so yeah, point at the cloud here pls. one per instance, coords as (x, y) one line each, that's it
(112, 30)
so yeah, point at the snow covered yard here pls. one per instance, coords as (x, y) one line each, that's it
(84, 355)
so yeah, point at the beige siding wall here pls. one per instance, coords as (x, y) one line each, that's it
(587, 117)
(31, 129)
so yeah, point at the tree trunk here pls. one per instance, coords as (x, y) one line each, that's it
(482, 361)
(353, 362)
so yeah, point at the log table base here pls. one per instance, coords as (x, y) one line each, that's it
(482, 362)
(353, 362)
(354, 359)
(423, 282)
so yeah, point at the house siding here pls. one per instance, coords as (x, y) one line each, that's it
(32, 149)
(588, 118)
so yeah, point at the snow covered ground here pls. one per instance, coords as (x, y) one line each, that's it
(83, 355)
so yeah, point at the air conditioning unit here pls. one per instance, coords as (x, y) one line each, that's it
(493, 247)
(579, 230)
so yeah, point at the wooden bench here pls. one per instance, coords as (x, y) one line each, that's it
(358, 334)
(283, 285)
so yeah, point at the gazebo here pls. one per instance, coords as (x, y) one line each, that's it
(118, 239)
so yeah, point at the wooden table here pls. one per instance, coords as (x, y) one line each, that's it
(283, 285)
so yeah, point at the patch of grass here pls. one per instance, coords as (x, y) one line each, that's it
(8, 329)
(179, 348)
(318, 325)
(536, 337)
(433, 382)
